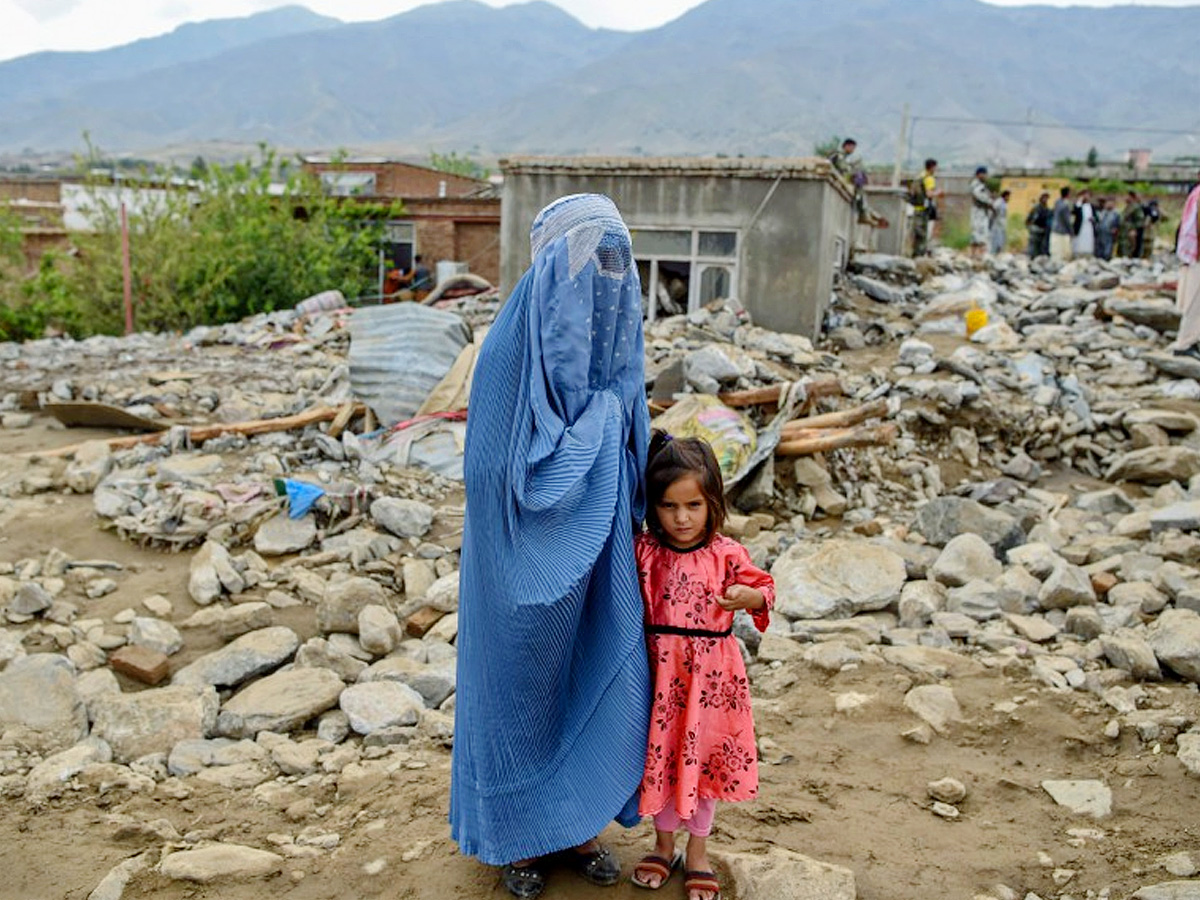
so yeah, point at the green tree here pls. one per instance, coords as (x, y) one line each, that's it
(454, 164)
(826, 148)
(1093, 158)
(235, 245)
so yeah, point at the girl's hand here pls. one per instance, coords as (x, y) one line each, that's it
(741, 596)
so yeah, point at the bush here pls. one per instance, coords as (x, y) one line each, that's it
(224, 248)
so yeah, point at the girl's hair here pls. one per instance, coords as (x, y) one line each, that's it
(669, 460)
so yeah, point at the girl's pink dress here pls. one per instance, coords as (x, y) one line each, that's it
(701, 729)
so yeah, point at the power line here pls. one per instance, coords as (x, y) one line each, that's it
(1026, 124)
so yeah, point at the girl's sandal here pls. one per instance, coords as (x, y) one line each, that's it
(702, 881)
(656, 865)
(525, 882)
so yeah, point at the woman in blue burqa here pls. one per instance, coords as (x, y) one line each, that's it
(553, 693)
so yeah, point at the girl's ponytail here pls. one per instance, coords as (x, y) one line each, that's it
(659, 440)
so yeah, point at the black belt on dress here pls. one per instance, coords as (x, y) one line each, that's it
(688, 632)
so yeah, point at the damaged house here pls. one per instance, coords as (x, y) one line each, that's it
(769, 232)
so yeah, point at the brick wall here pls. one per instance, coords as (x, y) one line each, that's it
(39, 190)
(397, 180)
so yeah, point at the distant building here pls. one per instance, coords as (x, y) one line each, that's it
(1139, 160)
(769, 232)
(446, 217)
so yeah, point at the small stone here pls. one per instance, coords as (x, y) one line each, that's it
(378, 629)
(947, 790)
(381, 704)
(282, 535)
(421, 621)
(402, 517)
(945, 810)
(935, 704)
(1084, 797)
(155, 634)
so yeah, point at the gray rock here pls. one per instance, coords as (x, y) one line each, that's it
(982, 600)
(1184, 516)
(434, 682)
(190, 756)
(1179, 366)
(112, 886)
(333, 726)
(248, 656)
(58, 718)
(279, 702)
(947, 790)
(318, 653)
(1155, 465)
(378, 630)
(191, 468)
(31, 599)
(220, 862)
(935, 704)
(1034, 628)
(49, 777)
(1188, 752)
(1092, 798)
(346, 597)
(211, 570)
(1065, 587)
(282, 534)
(1161, 315)
(841, 578)
(1037, 558)
(783, 874)
(91, 464)
(966, 557)
(443, 593)
(1140, 595)
(919, 600)
(154, 721)
(381, 704)
(1129, 652)
(1169, 890)
(155, 634)
(231, 621)
(944, 518)
(402, 517)
(1175, 640)
(1085, 622)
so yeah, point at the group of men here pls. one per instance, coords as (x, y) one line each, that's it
(1079, 227)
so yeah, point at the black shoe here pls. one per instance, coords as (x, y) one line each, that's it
(1192, 351)
(525, 882)
(598, 866)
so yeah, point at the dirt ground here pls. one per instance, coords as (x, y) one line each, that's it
(852, 793)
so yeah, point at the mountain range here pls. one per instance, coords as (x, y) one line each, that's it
(753, 77)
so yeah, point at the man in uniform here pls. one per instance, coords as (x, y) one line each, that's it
(850, 167)
(983, 211)
(1037, 223)
(1133, 225)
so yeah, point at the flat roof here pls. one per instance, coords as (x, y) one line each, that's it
(808, 167)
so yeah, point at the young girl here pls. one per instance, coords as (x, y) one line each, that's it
(701, 747)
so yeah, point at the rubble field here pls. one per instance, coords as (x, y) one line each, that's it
(227, 659)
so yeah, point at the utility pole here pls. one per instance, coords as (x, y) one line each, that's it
(1029, 138)
(900, 142)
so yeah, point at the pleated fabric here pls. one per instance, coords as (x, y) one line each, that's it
(552, 704)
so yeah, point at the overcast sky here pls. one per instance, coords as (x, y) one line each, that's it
(27, 26)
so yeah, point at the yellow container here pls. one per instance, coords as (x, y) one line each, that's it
(976, 319)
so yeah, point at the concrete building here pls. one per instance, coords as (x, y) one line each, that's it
(446, 217)
(769, 232)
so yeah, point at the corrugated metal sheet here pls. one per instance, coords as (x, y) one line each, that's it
(399, 353)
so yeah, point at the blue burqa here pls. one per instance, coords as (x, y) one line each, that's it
(553, 689)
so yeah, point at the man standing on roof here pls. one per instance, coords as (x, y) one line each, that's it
(850, 167)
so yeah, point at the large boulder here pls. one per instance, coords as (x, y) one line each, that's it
(279, 702)
(249, 655)
(40, 706)
(282, 534)
(966, 557)
(381, 704)
(220, 862)
(154, 721)
(1156, 465)
(945, 518)
(838, 580)
(1175, 639)
(783, 874)
(402, 517)
(346, 597)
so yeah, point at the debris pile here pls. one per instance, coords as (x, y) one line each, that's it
(1023, 503)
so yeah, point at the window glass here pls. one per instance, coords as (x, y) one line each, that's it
(662, 243)
(715, 283)
(718, 243)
